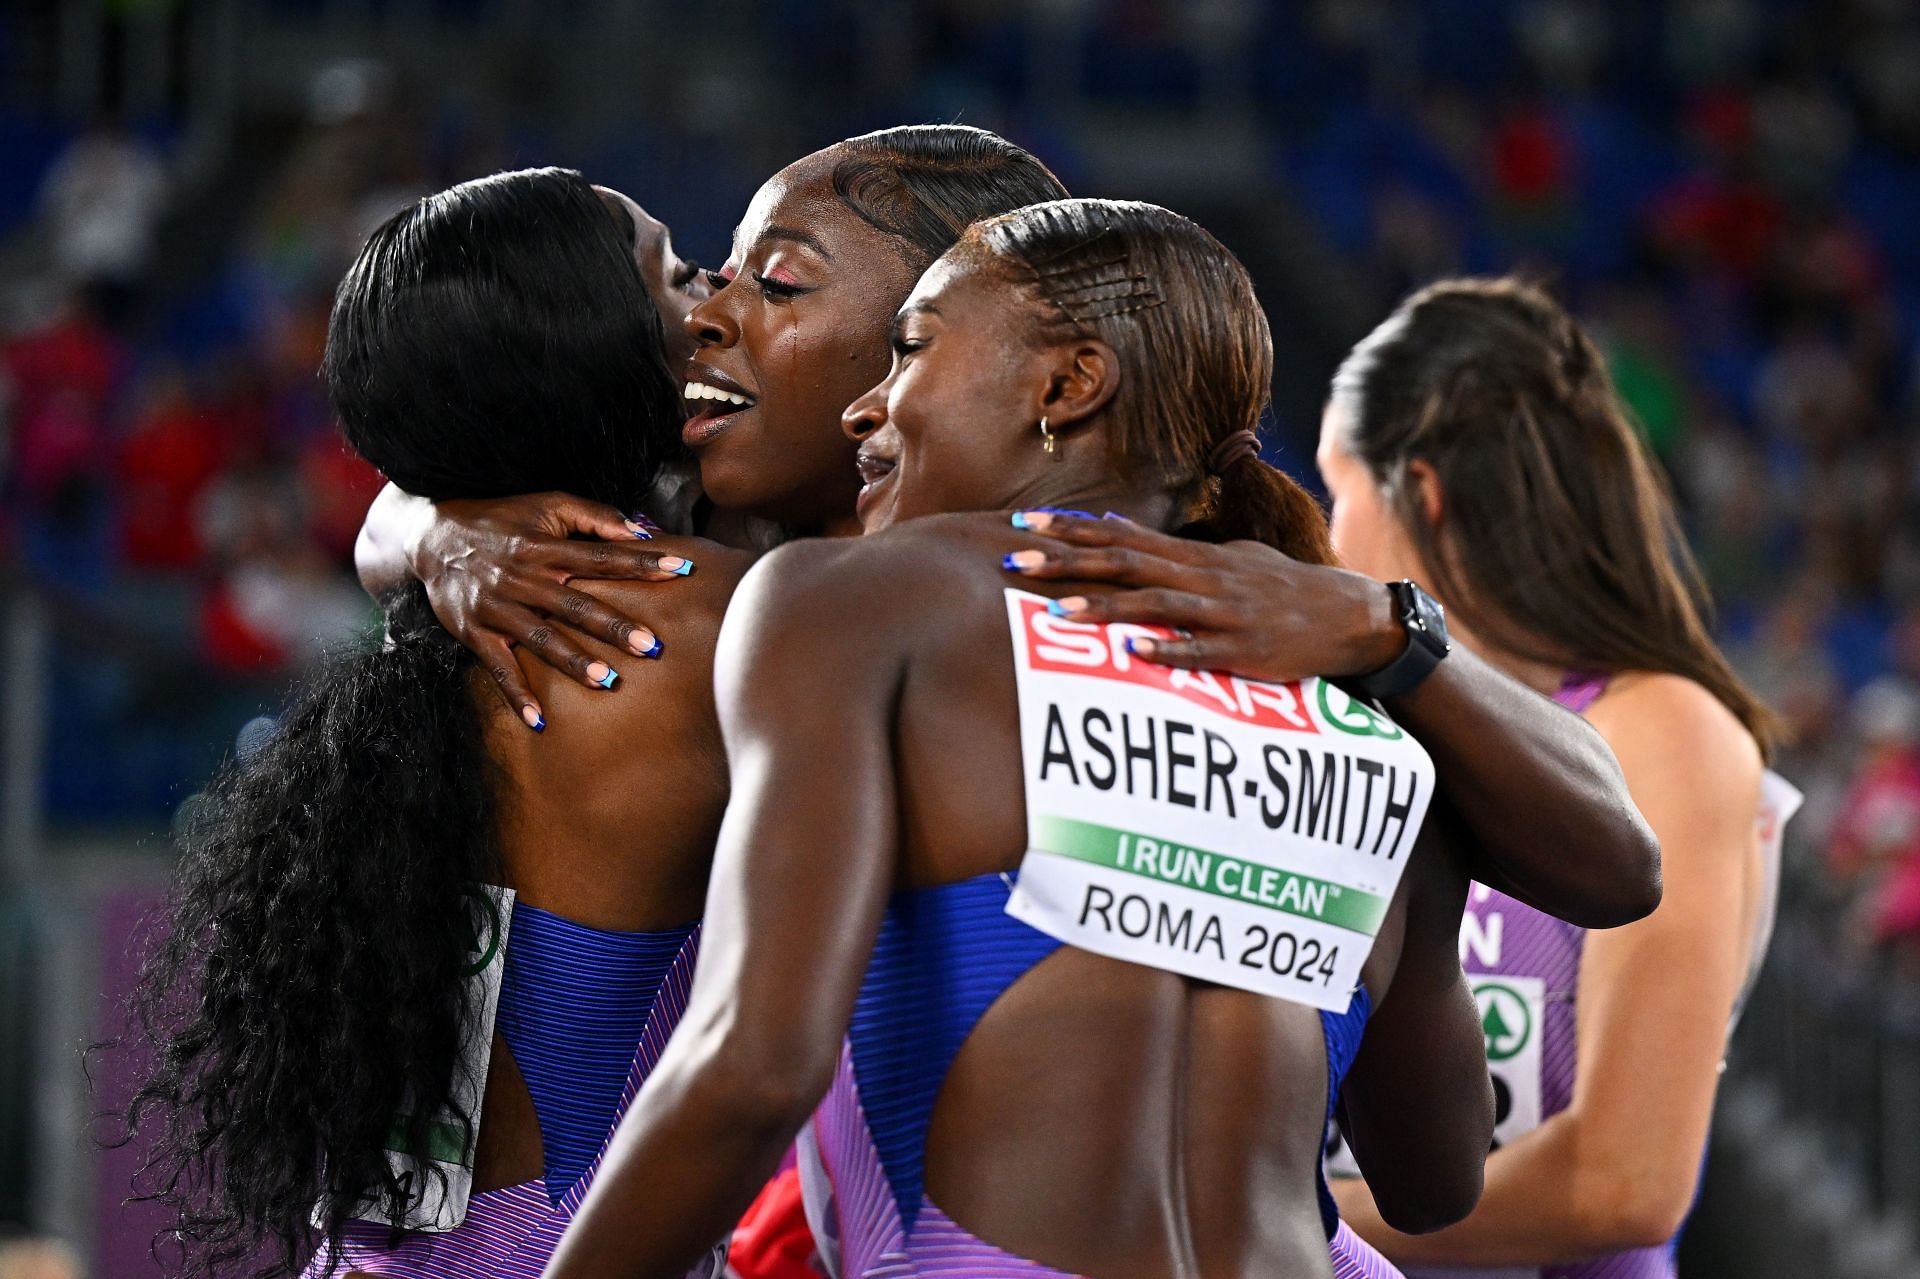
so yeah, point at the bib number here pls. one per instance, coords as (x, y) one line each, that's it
(1230, 830)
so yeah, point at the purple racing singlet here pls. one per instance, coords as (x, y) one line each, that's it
(1524, 968)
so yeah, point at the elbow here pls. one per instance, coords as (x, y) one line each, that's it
(1633, 888)
(1447, 1189)
(1436, 1202)
(1633, 1217)
(764, 1088)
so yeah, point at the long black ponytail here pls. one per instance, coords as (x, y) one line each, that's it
(311, 987)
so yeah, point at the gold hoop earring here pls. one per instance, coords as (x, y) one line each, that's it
(1049, 441)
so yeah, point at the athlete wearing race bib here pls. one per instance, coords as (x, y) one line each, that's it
(1474, 440)
(1004, 1095)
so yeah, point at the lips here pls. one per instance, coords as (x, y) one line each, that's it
(714, 401)
(874, 470)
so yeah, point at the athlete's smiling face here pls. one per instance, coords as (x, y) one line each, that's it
(796, 329)
(953, 427)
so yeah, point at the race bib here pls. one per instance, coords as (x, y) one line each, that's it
(439, 1179)
(1513, 1019)
(1230, 830)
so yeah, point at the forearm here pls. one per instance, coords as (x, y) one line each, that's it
(1539, 791)
(700, 1142)
(1537, 1208)
(393, 524)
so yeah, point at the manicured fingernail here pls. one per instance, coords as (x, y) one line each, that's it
(1035, 520)
(640, 518)
(1141, 646)
(601, 674)
(535, 720)
(674, 564)
(645, 643)
(639, 530)
(1071, 604)
(1021, 561)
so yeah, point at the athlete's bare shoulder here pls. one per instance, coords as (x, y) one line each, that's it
(885, 584)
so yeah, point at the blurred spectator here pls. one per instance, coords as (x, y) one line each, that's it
(101, 201)
(1875, 845)
(32, 1258)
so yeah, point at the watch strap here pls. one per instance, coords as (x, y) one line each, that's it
(1417, 661)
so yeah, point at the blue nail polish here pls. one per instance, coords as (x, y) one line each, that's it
(1130, 648)
(641, 533)
(539, 722)
(1020, 520)
(1006, 562)
(659, 647)
(608, 680)
(1053, 606)
(686, 567)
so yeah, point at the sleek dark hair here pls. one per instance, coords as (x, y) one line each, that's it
(311, 987)
(1560, 540)
(1195, 353)
(924, 184)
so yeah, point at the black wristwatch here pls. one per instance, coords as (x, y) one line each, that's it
(1426, 625)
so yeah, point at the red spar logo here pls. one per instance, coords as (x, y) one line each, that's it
(1065, 647)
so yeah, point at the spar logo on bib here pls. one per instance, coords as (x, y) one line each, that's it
(1064, 647)
(1505, 1019)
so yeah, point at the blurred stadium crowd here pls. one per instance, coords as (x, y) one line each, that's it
(1723, 189)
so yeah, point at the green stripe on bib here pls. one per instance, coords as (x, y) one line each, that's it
(446, 1142)
(1219, 874)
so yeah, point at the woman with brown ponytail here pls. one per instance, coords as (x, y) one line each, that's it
(1475, 443)
(1475, 440)
(1077, 961)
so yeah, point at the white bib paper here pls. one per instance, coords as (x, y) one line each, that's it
(1226, 829)
(437, 1204)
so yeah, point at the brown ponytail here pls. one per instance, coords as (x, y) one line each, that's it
(1560, 542)
(1255, 502)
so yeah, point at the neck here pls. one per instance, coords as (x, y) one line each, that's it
(1097, 496)
(838, 526)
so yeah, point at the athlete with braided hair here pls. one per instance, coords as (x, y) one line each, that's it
(1037, 1059)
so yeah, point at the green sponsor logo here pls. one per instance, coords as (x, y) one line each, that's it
(486, 930)
(1219, 874)
(1356, 717)
(1505, 1019)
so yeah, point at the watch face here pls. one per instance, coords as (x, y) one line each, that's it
(1432, 617)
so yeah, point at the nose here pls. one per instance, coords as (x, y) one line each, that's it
(866, 415)
(708, 323)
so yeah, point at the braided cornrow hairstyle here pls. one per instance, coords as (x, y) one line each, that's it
(1560, 539)
(924, 184)
(1195, 353)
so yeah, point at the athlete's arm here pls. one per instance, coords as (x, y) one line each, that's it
(1417, 1106)
(497, 573)
(1617, 1168)
(800, 881)
(1551, 819)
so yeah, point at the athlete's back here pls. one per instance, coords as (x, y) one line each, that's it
(1104, 1117)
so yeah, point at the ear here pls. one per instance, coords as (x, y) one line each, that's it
(1430, 500)
(1083, 377)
